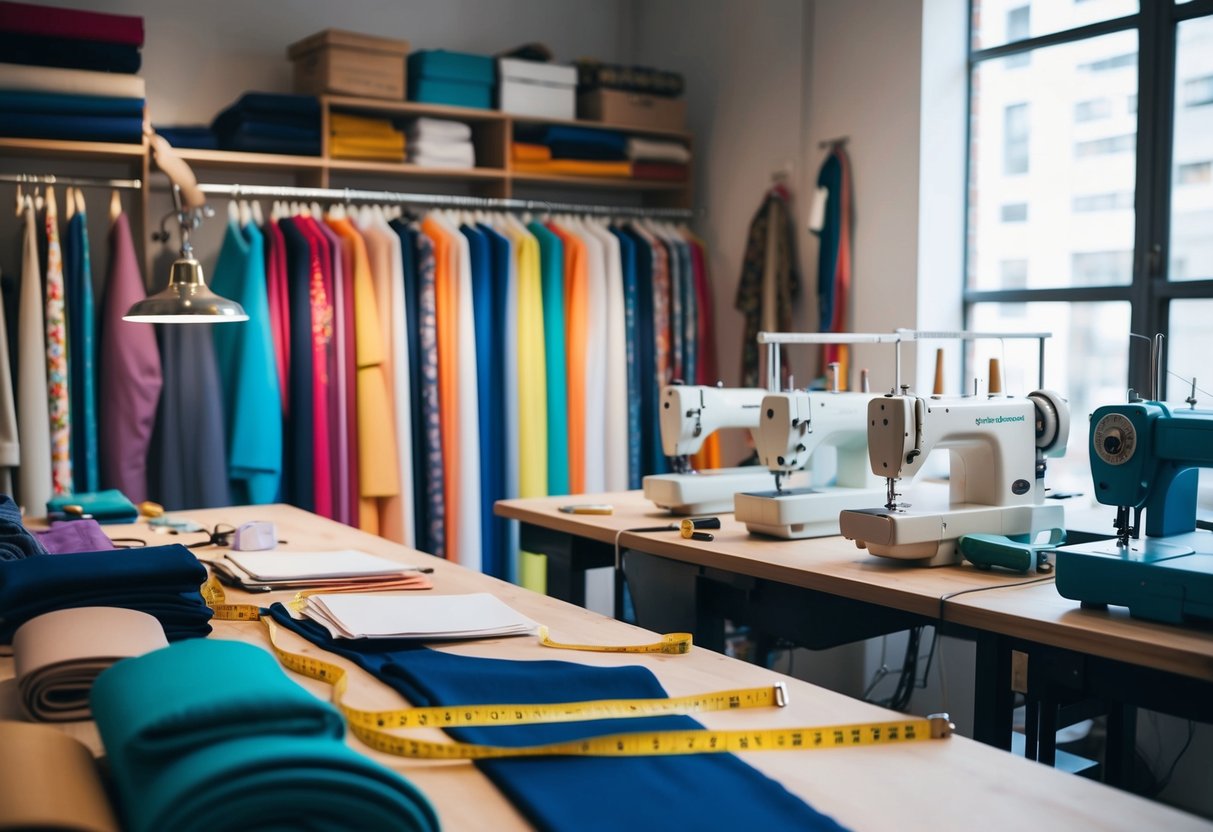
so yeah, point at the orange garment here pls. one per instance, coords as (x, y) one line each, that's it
(378, 476)
(576, 345)
(576, 167)
(709, 455)
(523, 152)
(446, 307)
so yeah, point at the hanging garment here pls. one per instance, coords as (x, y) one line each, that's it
(615, 409)
(446, 307)
(576, 340)
(10, 443)
(595, 359)
(323, 364)
(486, 345)
(631, 313)
(834, 256)
(58, 376)
(430, 394)
(129, 373)
(348, 466)
(652, 457)
(770, 280)
(502, 423)
(299, 460)
(82, 350)
(278, 298)
(410, 285)
(34, 481)
(701, 791)
(341, 376)
(552, 266)
(245, 355)
(706, 370)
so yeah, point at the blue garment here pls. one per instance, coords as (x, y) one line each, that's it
(412, 286)
(193, 136)
(299, 458)
(16, 543)
(210, 734)
(707, 791)
(690, 314)
(502, 255)
(245, 352)
(488, 344)
(627, 258)
(162, 581)
(830, 178)
(652, 456)
(82, 355)
(551, 260)
(89, 128)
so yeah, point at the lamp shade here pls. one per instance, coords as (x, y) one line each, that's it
(186, 300)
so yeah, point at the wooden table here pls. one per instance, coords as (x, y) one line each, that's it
(825, 591)
(949, 784)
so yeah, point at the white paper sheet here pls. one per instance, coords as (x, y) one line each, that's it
(478, 615)
(296, 566)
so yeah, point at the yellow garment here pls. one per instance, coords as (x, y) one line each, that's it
(347, 124)
(338, 150)
(364, 138)
(378, 476)
(523, 152)
(576, 167)
(532, 394)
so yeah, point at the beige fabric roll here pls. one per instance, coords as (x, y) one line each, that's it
(57, 656)
(50, 782)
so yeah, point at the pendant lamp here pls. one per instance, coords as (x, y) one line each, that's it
(186, 299)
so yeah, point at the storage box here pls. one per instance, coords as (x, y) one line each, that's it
(533, 88)
(347, 63)
(440, 77)
(629, 109)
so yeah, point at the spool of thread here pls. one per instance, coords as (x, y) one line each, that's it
(995, 385)
(832, 376)
(690, 527)
(939, 372)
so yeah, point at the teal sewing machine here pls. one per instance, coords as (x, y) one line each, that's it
(1146, 455)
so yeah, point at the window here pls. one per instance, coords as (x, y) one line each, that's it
(1110, 242)
(1015, 212)
(1015, 139)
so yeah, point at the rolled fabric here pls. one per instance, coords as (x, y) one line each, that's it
(162, 581)
(58, 656)
(50, 782)
(16, 542)
(210, 734)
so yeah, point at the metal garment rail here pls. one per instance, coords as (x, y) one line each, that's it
(440, 200)
(74, 181)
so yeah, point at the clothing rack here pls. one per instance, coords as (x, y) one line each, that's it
(440, 201)
(74, 181)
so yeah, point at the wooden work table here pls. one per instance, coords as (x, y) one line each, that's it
(946, 784)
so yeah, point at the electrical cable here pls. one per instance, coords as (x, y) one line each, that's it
(1165, 781)
(950, 595)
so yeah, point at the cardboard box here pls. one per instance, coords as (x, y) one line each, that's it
(629, 109)
(534, 88)
(346, 63)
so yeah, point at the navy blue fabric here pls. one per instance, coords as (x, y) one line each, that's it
(270, 123)
(708, 791)
(162, 581)
(195, 136)
(72, 127)
(570, 142)
(830, 178)
(421, 507)
(19, 101)
(627, 257)
(652, 457)
(70, 53)
(16, 542)
(250, 142)
(299, 454)
(487, 343)
(502, 253)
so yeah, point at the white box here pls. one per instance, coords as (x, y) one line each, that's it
(531, 88)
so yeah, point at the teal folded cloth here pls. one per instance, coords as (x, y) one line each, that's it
(211, 735)
(109, 506)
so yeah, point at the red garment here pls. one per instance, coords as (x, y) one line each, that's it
(660, 171)
(322, 334)
(280, 310)
(57, 22)
(330, 258)
(346, 331)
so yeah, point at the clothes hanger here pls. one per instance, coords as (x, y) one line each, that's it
(233, 211)
(69, 196)
(317, 211)
(246, 213)
(258, 217)
(52, 206)
(20, 199)
(115, 205)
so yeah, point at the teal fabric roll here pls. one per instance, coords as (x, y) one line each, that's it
(210, 735)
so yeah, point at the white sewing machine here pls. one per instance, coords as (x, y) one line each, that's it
(689, 415)
(998, 446)
(793, 427)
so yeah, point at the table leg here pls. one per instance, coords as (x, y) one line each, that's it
(994, 700)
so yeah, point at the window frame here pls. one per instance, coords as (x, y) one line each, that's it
(1149, 293)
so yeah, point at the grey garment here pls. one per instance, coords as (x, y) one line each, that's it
(189, 445)
(34, 486)
(10, 444)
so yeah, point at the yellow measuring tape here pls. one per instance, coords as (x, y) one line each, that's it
(371, 727)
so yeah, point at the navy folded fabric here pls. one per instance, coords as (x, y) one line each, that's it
(16, 542)
(89, 128)
(196, 136)
(162, 581)
(65, 104)
(569, 142)
(42, 50)
(707, 791)
(209, 734)
(293, 109)
(240, 140)
(270, 123)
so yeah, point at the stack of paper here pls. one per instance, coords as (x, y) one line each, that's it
(336, 571)
(431, 618)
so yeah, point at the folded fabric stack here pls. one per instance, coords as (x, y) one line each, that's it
(162, 581)
(263, 122)
(662, 160)
(68, 74)
(197, 136)
(571, 151)
(364, 138)
(209, 734)
(438, 143)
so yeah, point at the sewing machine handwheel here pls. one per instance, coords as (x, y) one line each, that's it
(1052, 419)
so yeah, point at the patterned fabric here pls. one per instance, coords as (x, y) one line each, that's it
(57, 378)
(770, 249)
(431, 419)
(627, 257)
